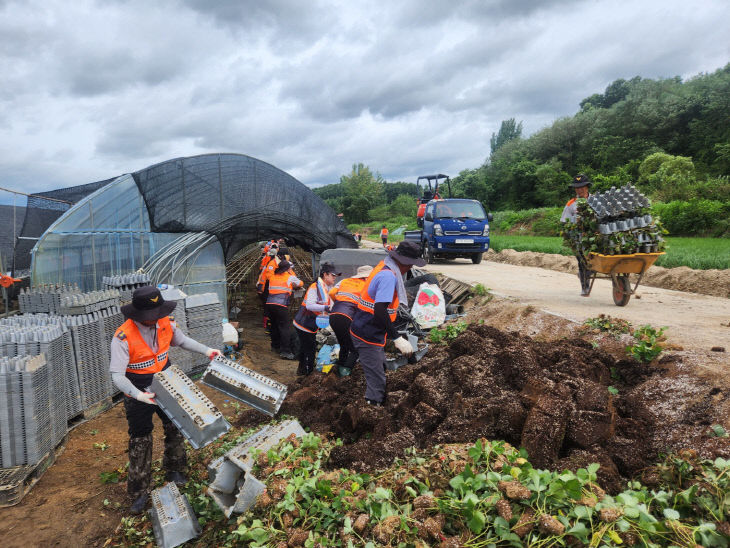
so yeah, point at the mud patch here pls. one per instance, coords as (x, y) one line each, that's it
(550, 397)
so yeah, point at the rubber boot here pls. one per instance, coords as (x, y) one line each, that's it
(174, 459)
(139, 474)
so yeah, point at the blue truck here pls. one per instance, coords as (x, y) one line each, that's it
(451, 227)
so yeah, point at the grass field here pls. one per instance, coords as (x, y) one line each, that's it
(699, 253)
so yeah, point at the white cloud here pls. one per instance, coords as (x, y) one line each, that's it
(95, 89)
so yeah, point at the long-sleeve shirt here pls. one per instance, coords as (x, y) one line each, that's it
(570, 212)
(120, 353)
(312, 300)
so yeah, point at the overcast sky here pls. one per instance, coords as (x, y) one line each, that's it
(91, 90)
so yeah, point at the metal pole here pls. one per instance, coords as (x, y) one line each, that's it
(5, 291)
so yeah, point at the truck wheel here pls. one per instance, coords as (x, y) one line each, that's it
(476, 258)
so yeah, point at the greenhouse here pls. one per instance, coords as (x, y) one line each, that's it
(182, 219)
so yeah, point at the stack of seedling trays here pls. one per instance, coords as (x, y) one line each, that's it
(184, 359)
(86, 303)
(93, 318)
(45, 298)
(26, 430)
(204, 314)
(61, 353)
(617, 222)
(111, 319)
(126, 283)
(91, 350)
(32, 335)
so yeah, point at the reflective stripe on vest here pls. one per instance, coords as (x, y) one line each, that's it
(306, 320)
(349, 290)
(364, 326)
(367, 303)
(266, 273)
(142, 361)
(280, 289)
(347, 296)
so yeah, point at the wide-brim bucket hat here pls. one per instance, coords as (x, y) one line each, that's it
(148, 305)
(408, 253)
(580, 180)
(363, 271)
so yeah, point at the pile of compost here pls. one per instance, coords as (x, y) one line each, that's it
(552, 398)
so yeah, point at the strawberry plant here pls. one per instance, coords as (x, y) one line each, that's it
(649, 343)
(486, 494)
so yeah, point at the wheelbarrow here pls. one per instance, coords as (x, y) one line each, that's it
(617, 268)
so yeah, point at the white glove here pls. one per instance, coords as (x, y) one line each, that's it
(404, 346)
(147, 397)
(212, 353)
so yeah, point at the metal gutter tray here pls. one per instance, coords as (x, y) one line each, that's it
(173, 520)
(188, 408)
(246, 385)
(232, 486)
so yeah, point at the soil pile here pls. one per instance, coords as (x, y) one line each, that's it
(550, 398)
(681, 278)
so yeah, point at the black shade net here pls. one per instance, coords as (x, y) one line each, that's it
(239, 199)
(8, 215)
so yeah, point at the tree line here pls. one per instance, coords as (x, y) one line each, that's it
(668, 136)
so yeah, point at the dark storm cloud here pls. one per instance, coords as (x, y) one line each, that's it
(486, 11)
(283, 22)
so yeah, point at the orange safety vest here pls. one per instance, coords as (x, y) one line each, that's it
(280, 289)
(347, 296)
(306, 320)
(384, 233)
(266, 273)
(363, 326)
(142, 360)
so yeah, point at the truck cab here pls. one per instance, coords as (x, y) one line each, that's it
(455, 228)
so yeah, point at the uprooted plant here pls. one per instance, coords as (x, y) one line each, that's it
(650, 343)
(464, 495)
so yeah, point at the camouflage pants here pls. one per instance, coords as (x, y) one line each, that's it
(139, 419)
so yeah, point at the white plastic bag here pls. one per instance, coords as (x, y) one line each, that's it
(230, 335)
(429, 308)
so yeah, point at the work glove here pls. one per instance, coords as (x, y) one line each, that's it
(403, 346)
(212, 353)
(147, 397)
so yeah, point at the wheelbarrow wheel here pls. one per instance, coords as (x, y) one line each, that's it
(621, 289)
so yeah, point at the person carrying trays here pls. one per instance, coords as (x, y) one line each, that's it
(139, 349)
(570, 213)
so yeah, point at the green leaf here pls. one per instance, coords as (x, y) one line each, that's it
(477, 522)
(613, 390)
(580, 531)
(670, 513)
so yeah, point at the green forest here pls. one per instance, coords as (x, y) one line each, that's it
(670, 137)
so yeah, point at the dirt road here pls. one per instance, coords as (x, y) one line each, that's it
(693, 321)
